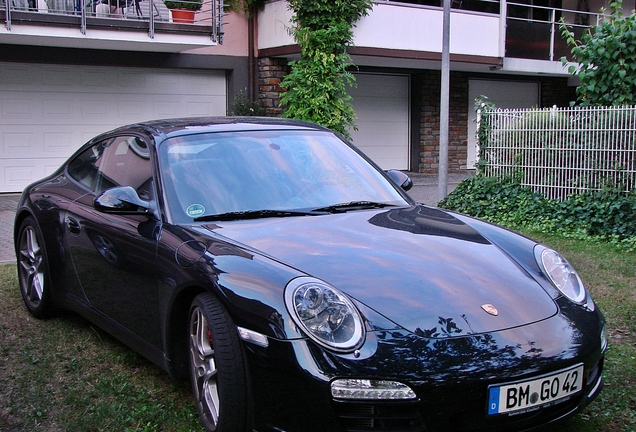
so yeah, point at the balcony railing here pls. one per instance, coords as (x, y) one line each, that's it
(113, 14)
(532, 32)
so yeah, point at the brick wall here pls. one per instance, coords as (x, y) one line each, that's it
(429, 123)
(555, 91)
(271, 72)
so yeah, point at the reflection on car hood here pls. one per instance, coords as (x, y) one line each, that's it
(418, 266)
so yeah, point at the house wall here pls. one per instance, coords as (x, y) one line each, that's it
(395, 26)
(554, 91)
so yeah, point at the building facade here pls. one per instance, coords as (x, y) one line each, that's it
(70, 70)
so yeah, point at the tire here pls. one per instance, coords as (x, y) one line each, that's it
(33, 269)
(217, 368)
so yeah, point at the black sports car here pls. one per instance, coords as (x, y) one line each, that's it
(301, 289)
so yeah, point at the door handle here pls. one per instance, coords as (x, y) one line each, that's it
(73, 225)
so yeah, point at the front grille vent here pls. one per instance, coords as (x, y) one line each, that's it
(379, 416)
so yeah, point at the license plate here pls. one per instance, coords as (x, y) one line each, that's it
(533, 394)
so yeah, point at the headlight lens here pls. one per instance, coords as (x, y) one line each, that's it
(561, 274)
(325, 314)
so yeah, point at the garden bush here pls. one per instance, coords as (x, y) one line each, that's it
(608, 215)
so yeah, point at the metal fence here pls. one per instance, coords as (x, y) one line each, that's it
(560, 151)
(143, 14)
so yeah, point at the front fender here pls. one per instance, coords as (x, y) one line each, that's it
(250, 285)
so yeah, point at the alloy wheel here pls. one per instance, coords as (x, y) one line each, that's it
(203, 367)
(32, 275)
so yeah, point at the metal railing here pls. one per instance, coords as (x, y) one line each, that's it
(561, 151)
(145, 12)
(533, 32)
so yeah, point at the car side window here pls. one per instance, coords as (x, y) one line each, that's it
(118, 161)
(84, 167)
(125, 162)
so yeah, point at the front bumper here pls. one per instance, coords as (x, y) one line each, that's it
(290, 380)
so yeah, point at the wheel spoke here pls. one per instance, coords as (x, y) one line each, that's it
(204, 366)
(31, 267)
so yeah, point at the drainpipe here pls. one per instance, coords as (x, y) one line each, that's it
(251, 58)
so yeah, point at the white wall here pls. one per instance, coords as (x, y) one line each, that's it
(395, 26)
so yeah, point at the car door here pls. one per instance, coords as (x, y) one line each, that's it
(115, 255)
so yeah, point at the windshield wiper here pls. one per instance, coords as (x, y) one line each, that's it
(256, 214)
(353, 205)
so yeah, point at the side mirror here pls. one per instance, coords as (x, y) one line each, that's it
(400, 179)
(121, 200)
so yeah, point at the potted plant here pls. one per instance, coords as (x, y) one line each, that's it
(183, 10)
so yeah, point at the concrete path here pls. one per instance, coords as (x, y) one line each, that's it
(8, 205)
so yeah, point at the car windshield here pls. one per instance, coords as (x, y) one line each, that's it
(268, 173)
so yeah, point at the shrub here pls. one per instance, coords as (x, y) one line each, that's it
(608, 214)
(242, 106)
(606, 58)
(194, 5)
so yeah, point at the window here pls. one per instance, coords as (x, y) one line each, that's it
(118, 161)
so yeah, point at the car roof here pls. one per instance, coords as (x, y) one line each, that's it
(189, 125)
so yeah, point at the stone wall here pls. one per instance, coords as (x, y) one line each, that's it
(271, 72)
(429, 123)
(555, 91)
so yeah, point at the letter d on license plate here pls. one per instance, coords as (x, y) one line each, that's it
(534, 393)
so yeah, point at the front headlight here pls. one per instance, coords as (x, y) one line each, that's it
(561, 273)
(325, 314)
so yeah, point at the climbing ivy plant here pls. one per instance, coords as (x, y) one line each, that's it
(316, 85)
(484, 127)
(607, 58)
(248, 7)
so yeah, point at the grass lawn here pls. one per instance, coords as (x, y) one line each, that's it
(65, 374)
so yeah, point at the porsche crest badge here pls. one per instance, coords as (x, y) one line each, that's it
(488, 308)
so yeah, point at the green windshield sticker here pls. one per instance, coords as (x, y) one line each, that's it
(195, 210)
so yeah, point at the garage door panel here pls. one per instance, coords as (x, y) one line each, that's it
(17, 108)
(504, 94)
(393, 110)
(381, 103)
(383, 86)
(130, 109)
(59, 143)
(51, 110)
(384, 128)
(15, 176)
(18, 173)
(16, 143)
(14, 75)
(205, 106)
(58, 108)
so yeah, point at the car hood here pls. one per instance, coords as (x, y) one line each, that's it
(418, 266)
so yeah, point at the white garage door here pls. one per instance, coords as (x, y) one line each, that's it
(49, 111)
(504, 94)
(381, 103)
